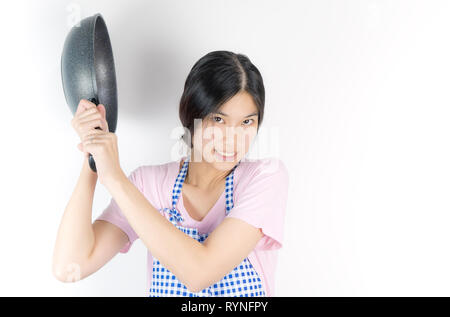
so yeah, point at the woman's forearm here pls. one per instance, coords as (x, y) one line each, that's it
(75, 238)
(177, 251)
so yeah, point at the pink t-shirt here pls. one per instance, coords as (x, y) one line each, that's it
(260, 198)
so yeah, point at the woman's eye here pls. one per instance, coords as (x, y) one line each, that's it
(246, 122)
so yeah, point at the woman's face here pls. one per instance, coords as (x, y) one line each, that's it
(226, 135)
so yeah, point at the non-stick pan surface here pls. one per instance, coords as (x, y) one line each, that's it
(87, 69)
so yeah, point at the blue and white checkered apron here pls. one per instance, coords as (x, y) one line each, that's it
(243, 280)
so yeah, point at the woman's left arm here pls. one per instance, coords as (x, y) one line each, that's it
(195, 264)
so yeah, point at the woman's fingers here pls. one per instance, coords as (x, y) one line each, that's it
(90, 124)
(91, 145)
(95, 132)
(84, 105)
(98, 135)
(90, 117)
(103, 124)
(99, 112)
(87, 113)
(82, 120)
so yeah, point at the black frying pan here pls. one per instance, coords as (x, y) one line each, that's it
(87, 69)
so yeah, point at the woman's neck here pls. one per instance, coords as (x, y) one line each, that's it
(203, 175)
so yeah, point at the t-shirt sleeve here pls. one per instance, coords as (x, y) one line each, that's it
(114, 215)
(263, 201)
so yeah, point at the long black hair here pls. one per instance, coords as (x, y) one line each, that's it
(213, 80)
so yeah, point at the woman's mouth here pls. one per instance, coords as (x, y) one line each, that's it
(228, 157)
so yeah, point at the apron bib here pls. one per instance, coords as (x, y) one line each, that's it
(243, 280)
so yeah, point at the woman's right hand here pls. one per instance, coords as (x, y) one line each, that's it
(87, 117)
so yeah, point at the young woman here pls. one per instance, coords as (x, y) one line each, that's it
(211, 221)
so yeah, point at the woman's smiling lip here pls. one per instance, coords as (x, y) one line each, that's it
(225, 157)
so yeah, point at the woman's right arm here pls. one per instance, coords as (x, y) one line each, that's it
(83, 247)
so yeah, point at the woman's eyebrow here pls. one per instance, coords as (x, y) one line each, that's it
(224, 114)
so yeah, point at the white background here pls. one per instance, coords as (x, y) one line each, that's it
(357, 90)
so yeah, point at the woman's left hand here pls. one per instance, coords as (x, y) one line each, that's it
(103, 147)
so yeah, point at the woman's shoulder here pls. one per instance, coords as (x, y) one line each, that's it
(151, 173)
(270, 169)
(268, 165)
(261, 179)
(151, 166)
(156, 169)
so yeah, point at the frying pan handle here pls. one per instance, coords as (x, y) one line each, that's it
(91, 158)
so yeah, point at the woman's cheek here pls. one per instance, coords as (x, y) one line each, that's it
(207, 147)
(208, 151)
